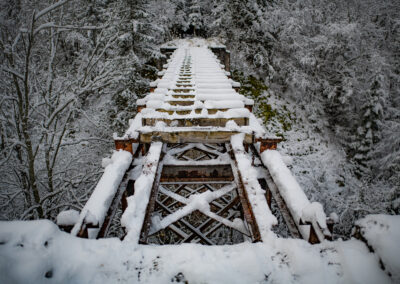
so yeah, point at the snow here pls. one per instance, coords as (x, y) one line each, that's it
(382, 233)
(223, 104)
(38, 252)
(299, 205)
(96, 207)
(133, 217)
(67, 217)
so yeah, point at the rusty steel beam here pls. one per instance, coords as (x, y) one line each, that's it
(268, 143)
(130, 190)
(206, 173)
(247, 210)
(153, 197)
(125, 144)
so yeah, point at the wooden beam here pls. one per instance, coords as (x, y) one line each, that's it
(194, 136)
(209, 173)
(187, 122)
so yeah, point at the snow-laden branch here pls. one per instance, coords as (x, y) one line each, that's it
(13, 72)
(56, 112)
(50, 8)
(50, 25)
(84, 140)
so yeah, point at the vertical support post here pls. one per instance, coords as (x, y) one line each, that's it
(227, 60)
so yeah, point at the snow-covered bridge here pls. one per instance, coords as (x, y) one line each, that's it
(195, 168)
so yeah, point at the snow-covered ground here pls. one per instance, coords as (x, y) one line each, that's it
(37, 252)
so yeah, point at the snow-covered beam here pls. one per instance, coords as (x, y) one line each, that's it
(95, 210)
(137, 213)
(180, 173)
(191, 135)
(309, 217)
(255, 195)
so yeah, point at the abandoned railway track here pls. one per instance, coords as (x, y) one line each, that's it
(201, 168)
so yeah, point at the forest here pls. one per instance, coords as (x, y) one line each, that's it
(325, 76)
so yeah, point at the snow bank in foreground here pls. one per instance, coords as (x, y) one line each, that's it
(37, 252)
(101, 198)
(382, 233)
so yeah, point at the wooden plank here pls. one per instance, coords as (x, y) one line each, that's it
(187, 122)
(268, 143)
(197, 110)
(209, 173)
(195, 182)
(192, 136)
(180, 103)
